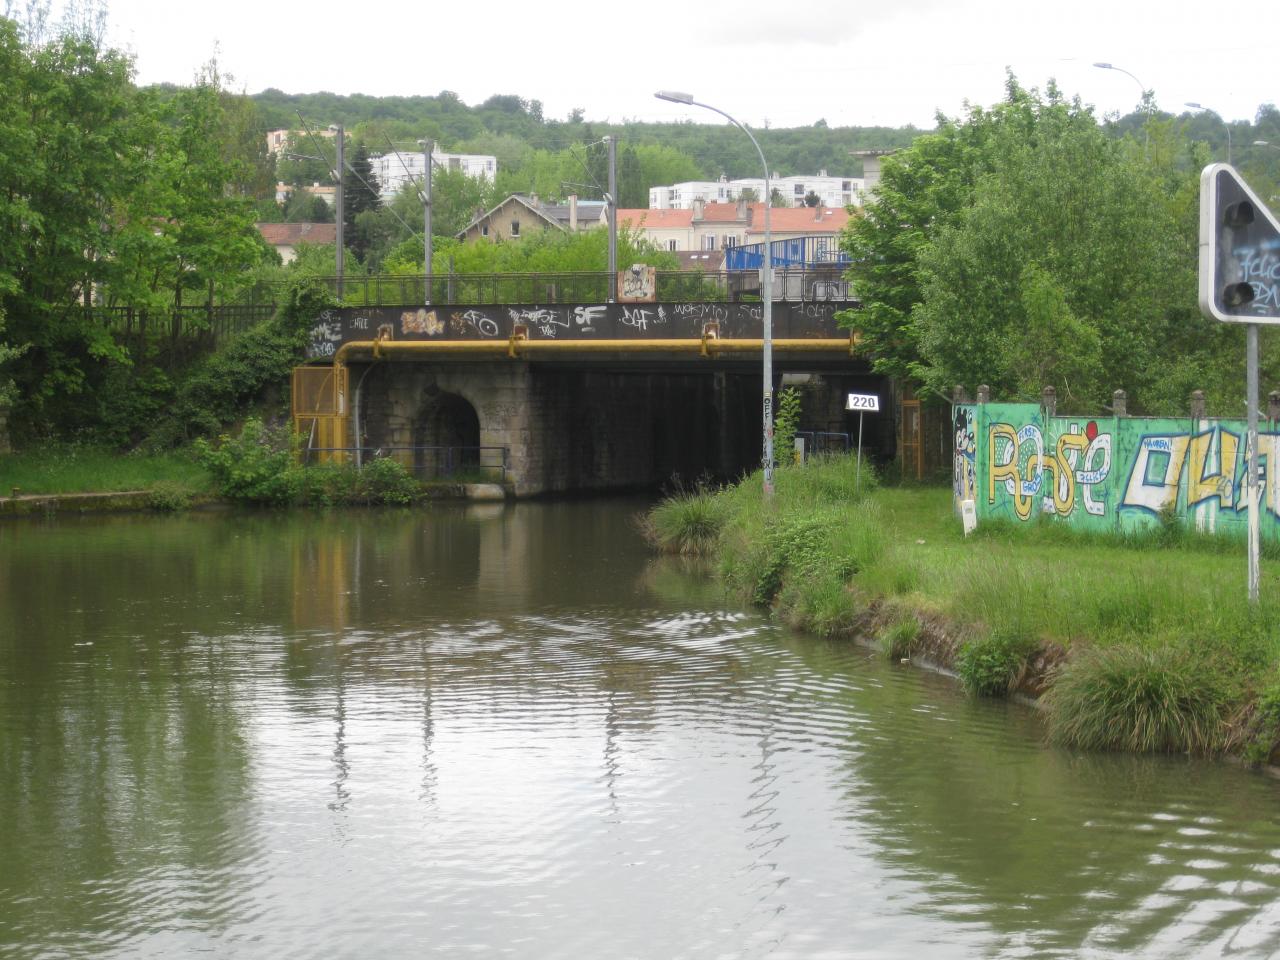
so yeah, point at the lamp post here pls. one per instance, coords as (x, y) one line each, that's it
(1226, 126)
(1142, 92)
(338, 200)
(767, 283)
(427, 147)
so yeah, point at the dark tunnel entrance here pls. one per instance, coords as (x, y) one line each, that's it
(446, 435)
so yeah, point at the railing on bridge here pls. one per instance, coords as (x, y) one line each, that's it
(424, 462)
(809, 283)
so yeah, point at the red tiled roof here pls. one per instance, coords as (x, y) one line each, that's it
(292, 234)
(724, 212)
(642, 219)
(801, 220)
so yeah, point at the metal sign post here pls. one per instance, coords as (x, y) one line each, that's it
(1239, 254)
(862, 402)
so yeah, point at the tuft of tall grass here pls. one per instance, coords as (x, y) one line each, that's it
(1158, 699)
(687, 523)
(899, 639)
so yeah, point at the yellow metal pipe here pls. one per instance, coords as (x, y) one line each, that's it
(518, 347)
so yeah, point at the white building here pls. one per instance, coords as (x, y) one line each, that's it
(831, 191)
(394, 170)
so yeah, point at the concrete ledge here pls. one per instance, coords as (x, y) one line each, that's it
(49, 503)
(484, 491)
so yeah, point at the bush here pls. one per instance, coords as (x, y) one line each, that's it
(258, 466)
(219, 389)
(990, 666)
(386, 481)
(168, 497)
(379, 481)
(1161, 699)
(1264, 727)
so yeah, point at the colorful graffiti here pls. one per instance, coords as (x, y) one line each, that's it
(1075, 469)
(1123, 472)
(965, 486)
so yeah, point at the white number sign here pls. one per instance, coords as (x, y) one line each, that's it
(863, 402)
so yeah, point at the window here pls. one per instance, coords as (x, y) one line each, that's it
(799, 191)
(730, 241)
(515, 228)
(484, 230)
(671, 245)
(709, 242)
(845, 186)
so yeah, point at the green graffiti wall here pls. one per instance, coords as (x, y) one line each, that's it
(1107, 472)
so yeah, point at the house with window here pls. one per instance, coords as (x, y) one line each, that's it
(723, 227)
(285, 238)
(521, 214)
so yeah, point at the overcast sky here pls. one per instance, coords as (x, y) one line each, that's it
(891, 62)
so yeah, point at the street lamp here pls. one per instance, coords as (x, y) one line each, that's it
(767, 343)
(1195, 106)
(1142, 91)
(339, 200)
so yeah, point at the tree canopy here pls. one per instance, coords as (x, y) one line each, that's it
(1023, 246)
(110, 194)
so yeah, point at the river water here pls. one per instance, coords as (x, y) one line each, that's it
(509, 732)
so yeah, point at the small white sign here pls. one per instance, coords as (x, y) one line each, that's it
(863, 402)
(969, 516)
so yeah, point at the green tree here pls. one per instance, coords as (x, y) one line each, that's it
(1027, 247)
(359, 196)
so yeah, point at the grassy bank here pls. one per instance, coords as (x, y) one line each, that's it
(1136, 643)
(73, 469)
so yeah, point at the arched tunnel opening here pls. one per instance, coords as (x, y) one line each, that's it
(446, 435)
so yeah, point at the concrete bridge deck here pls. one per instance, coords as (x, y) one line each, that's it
(628, 325)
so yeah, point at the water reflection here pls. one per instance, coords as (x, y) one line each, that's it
(510, 731)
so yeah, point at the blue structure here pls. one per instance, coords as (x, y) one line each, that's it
(807, 252)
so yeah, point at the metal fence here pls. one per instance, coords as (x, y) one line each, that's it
(208, 321)
(424, 462)
(818, 442)
(790, 283)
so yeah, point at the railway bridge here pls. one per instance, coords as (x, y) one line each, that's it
(573, 396)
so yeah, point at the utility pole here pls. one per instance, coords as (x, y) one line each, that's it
(339, 211)
(427, 147)
(612, 197)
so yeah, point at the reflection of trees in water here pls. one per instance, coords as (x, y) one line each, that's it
(1052, 851)
(125, 783)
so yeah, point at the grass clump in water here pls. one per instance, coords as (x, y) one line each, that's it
(1157, 699)
(898, 641)
(687, 523)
